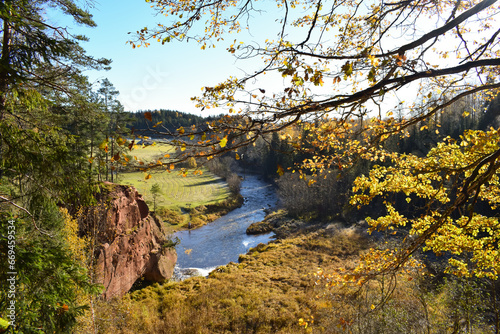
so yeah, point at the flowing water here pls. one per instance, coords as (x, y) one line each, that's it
(223, 240)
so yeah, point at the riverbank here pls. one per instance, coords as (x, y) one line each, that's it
(284, 287)
(267, 291)
(192, 218)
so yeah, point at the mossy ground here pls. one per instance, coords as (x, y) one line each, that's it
(273, 287)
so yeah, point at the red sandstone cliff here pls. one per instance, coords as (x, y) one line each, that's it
(130, 243)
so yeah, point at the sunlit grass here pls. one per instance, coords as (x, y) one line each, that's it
(178, 194)
(273, 290)
(147, 153)
(267, 292)
(178, 191)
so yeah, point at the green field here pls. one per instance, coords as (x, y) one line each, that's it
(148, 153)
(177, 191)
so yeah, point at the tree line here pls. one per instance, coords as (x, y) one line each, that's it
(60, 136)
(150, 122)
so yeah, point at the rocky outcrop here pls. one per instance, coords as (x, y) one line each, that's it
(278, 223)
(259, 228)
(132, 244)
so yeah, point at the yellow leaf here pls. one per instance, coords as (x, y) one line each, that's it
(166, 156)
(104, 145)
(120, 140)
(237, 156)
(223, 142)
(280, 170)
(147, 177)
(181, 130)
(372, 307)
(172, 166)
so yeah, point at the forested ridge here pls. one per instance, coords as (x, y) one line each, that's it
(167, 120)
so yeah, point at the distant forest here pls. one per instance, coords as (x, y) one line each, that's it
(165, 121)
(327, 194)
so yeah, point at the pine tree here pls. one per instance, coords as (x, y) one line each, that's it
(43, 157)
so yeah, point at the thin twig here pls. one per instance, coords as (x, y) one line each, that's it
(29, 213)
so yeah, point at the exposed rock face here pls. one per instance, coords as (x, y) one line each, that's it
(131, 243)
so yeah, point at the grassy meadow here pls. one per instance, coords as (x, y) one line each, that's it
(178, 191)
(149, 152)
(267, 292)
(181, 199)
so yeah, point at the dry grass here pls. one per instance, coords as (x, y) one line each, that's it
(267, 292)
(272, 287)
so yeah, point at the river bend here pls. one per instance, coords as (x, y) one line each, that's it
(224, 239)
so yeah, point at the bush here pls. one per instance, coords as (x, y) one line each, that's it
(170, 216)
(234, 183)
(192, 163)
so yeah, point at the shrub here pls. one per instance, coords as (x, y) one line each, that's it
(324, 194)
(192, 163)
(234, 183)
(170, 216)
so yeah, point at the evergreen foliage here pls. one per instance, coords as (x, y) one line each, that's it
(164, 120)
(48, 114)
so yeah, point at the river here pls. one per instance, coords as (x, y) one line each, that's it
(223, 240)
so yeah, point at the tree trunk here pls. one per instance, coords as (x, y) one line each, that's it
(4, 79)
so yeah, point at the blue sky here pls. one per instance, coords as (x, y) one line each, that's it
(155, 77)
(167, 76)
